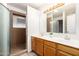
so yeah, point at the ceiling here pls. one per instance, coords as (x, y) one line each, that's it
(23, 5)
(38, 6)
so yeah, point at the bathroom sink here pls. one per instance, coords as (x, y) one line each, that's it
(48, 36)
(59, 39)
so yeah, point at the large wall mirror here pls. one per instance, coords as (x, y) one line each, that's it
(62, 20)
(55, 21)
(58, 21)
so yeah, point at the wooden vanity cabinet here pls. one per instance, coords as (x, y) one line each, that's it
(39, 46)
(49, 51)
(61, 53)
(34, 44)
(69, 50)
(47, 48)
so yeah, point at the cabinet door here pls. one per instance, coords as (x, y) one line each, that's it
(60, 53)
(39, 46)
(33, 44)
(39, 49)
(49, 51)
(68, 49)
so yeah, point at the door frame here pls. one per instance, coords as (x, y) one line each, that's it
(12, 12)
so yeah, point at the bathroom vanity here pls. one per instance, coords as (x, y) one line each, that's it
(45, 46)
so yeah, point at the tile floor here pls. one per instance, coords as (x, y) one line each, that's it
(18, 49)
(28, 54)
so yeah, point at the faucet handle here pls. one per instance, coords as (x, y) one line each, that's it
(67, 37)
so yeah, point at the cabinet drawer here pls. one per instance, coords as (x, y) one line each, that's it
(69, 50)
(61, 53)
(51, 44)
(40, 41)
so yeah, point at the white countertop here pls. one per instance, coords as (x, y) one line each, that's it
(71, 42)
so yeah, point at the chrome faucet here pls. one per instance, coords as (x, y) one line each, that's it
(67, 37)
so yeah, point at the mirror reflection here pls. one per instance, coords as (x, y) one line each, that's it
(70, 20)
(58, 21)
(62, 20)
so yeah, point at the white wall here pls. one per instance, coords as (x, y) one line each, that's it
(71, 21)
(32, 24)
(43, 22)
(77, 17)
(5, 4)
(16, 9)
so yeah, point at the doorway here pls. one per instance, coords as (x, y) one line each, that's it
(18, 33)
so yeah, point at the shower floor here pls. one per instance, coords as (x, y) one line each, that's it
(18, 50)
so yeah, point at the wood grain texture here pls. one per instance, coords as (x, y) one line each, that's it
(49, 51)
(48, 48)
(39, 49)
(18, 13)
(69, 50)
(18, 36)
(33, 44)
(39, 46)
(61, 53)
(49, 43)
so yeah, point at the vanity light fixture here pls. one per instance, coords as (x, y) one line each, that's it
(54, 7)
